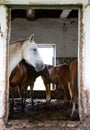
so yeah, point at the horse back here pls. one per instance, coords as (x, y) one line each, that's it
(57, 73)
(62, 73)
(17, 74)
(29, 74)
(74, 80)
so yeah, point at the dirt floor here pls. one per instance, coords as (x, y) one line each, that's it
(54, 116)
(56, 110)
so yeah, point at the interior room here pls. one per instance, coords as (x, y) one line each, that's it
(56, 34)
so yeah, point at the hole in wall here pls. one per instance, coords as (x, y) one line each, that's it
(59, 27)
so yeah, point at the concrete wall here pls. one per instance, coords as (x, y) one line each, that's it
(46, 2)
(63, 33)
(4, 87)
(86, 58)
(86, 55)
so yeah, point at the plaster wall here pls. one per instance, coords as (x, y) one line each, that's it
(86, 58)
(41, 2)
(86, 55)
(3, 65)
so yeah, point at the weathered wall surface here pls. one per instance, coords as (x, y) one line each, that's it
(84, 61)
(48, 2)
(3, 65)
(86, 58)
(63, 33)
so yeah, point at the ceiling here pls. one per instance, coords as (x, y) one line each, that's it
(41, 13)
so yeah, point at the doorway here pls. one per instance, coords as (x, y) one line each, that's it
(57, 26)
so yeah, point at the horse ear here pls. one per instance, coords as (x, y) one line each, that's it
(31, 38)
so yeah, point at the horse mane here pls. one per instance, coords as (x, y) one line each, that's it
(20, 40)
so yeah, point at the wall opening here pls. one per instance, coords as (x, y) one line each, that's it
(59, 26)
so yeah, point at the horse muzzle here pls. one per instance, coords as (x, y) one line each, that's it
(39, 67)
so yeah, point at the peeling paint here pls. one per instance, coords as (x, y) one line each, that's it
(3, 55)
(3, 2)
(46, 2)
(86, 21)
(84, 50)
(2, 72)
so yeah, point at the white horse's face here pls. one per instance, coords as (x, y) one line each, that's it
(31, 54)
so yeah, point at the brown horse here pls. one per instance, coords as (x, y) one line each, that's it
(58, 75)
(23, 76)
(74, 84)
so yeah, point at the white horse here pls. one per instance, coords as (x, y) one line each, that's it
(25, 49)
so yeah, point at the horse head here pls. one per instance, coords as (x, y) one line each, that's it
(27, 50)
(31, 54)
(45, 73)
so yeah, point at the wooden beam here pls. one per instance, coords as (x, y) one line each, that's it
(65, 14)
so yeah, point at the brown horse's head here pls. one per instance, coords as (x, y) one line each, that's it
(45, 73)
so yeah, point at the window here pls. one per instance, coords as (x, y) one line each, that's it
(48, 53)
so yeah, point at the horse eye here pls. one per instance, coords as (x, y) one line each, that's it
(34, 49)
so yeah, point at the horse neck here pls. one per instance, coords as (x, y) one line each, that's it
(50, 69)
(15, 58)
(31, 70)
(46, 73)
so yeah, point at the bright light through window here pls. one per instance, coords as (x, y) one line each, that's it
(47, 53)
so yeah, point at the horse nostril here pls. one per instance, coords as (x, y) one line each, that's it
(40, 67)
(43, 67)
